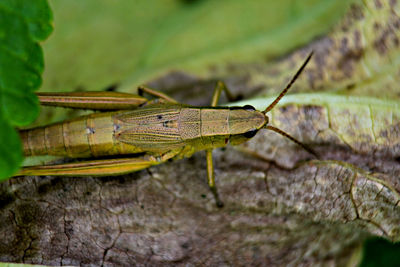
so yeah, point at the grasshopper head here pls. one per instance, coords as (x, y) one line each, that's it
(251, 123)
(244, 123)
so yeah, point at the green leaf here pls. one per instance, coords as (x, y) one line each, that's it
(379, 252)
(10, 149)
(22, 25)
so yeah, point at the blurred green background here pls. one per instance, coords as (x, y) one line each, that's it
(98, 42)
(380, 252)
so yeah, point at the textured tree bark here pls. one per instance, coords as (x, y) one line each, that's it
(282, 207)
(316, 213)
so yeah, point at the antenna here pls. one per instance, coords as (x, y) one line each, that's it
(272, 105)
(279, 131)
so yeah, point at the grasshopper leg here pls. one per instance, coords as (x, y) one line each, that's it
(143, 89)
(102, 167)
(210, 178)
(92, 100)
(220, 86)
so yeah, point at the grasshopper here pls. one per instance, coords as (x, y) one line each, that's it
(141, 133)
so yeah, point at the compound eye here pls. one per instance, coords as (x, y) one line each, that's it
(251, 133)
(249, 107)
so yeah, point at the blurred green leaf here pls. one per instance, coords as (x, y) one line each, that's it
(133, 43)
(22, 25)
(379, 252)
(10, 149)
